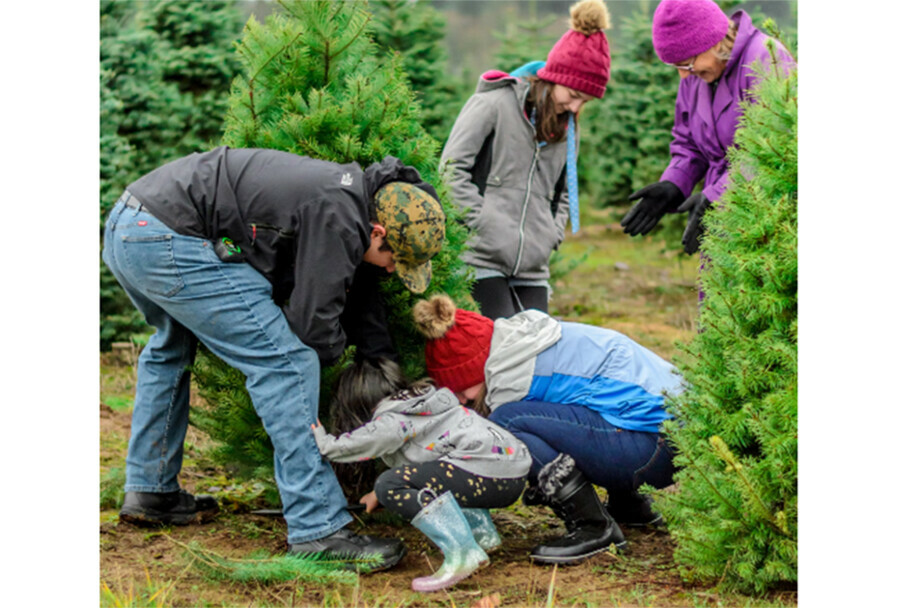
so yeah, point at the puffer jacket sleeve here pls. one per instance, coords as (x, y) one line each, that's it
(383, 435)
(474, 124)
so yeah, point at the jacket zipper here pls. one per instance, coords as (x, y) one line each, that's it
(282, 233)
(537, 151)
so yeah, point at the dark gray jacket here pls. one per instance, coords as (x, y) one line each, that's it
(303, 223)
(510, 202)
(430, 424)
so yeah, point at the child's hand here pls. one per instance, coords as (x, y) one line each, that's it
(370, 501)
(317, 424)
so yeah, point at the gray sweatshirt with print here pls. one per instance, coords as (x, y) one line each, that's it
(425, 424)
(515, 228)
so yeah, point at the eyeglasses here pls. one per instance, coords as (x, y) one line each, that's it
(688, 68)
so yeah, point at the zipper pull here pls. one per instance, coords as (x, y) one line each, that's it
(253, 239)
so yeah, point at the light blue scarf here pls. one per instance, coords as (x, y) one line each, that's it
(530, 69)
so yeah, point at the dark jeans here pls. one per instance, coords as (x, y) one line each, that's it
(407, 489)
(616, 459)
(497, 299)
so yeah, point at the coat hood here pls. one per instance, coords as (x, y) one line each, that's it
(390, 170)
(515, 345)
(496, 79)
(416, 401)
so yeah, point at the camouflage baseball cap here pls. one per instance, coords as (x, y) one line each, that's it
(414, 221)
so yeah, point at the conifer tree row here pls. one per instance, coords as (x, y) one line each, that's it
(314, 83)
(734, 514)
(165, 70)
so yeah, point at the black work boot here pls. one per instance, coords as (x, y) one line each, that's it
(590, 529)
(533, 497)
(347, 545)
(633, 509)
(162, 509)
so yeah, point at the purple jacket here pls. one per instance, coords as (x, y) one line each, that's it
(705, 120)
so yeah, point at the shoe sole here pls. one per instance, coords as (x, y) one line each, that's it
(144, 519)
(568, 561)
(653, 523)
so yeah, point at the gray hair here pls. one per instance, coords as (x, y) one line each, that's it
(723, 49)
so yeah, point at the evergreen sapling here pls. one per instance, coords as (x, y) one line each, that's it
(734, 512)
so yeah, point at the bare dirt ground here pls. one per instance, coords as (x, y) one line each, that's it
(625, 284)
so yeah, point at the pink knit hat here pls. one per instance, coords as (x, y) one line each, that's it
(459, 342)
(685, 28)
(580, 59)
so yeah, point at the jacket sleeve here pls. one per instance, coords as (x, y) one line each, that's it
(365, 319)
(687, 165)
(383, 435)
(474, 124)
(330, 246)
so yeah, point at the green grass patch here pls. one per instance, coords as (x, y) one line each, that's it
(119, 403)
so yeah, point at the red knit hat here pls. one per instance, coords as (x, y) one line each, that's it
(458, 345)
(580, 60)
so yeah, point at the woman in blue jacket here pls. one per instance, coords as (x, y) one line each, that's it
(586, 401)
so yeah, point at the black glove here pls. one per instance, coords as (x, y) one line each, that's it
(696, 206)
(656, 199)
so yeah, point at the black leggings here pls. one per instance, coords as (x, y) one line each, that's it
(407, 489)
(497, 298)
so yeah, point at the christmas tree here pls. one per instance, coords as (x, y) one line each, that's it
(313, 84)
(416, 31)
(734, 511)
(627, 133)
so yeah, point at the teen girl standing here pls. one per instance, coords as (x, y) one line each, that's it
(510, 163)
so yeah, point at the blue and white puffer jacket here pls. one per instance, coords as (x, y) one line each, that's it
(534, 357)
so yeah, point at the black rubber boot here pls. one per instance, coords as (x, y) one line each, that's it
(347, 545)
(590, 529)
(633, 509)
(178, 508)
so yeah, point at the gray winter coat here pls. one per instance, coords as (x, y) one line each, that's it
(509, 203)
(422, 425)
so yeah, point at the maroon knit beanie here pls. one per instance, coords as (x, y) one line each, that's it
(580, 59)
(685, 28)
(458, 343)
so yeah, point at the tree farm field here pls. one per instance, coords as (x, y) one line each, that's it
(635, 286)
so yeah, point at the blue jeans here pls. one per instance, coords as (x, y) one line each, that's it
(187, 293)
(616, 459)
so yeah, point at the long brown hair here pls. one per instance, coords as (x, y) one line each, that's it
(359, 389)
(549, 126)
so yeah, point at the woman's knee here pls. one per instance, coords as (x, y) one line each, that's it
(659, 470)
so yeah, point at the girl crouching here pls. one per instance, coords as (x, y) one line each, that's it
(448, 465)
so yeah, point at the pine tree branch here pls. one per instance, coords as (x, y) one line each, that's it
(725, 454)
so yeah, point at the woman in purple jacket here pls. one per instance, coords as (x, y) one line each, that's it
(714, 56)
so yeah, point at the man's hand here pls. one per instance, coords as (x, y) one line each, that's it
(370, 501)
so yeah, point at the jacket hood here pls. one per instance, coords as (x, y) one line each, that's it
(496, 79)
(515, 345)
(390, 170)
(416, 401)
